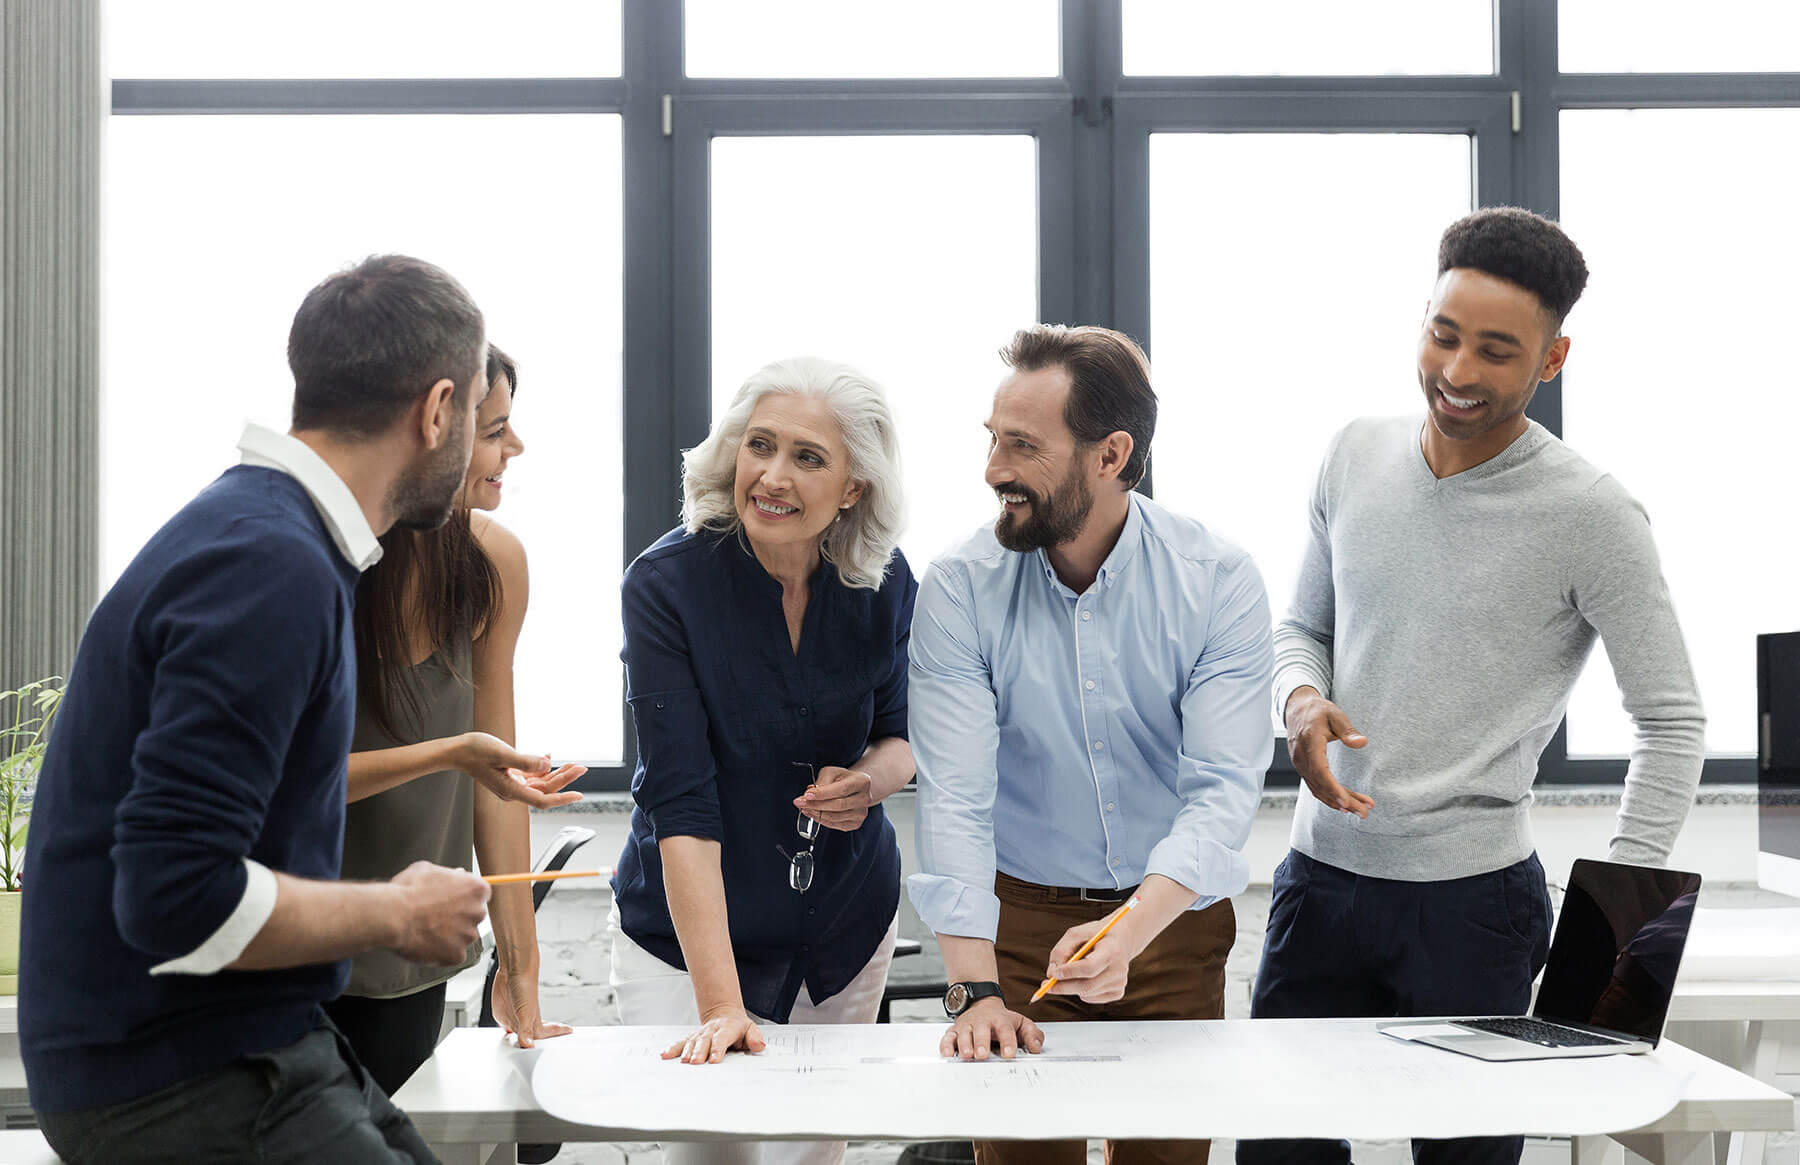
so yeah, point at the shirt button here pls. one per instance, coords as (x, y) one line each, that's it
(1110, 806)
(1089, 686)
(1099, 746)
(1086, 615)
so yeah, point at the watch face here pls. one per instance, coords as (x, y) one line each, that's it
(956, 998)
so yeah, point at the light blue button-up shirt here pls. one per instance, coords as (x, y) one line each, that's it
(1094, 739)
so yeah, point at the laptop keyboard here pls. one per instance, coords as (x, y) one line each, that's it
(1536, 1031)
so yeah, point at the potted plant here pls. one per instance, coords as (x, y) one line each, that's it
(25, 716)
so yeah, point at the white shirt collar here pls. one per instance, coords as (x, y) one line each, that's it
(349, 528)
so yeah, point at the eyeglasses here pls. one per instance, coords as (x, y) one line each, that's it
(800, 863)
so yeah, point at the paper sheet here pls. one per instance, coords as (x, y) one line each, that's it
(1239, 1079)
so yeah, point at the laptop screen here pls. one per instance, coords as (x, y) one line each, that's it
(1618, 945)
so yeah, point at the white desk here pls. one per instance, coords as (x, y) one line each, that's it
(473, 1102)
(13, 1098)
(1742, 1023)
(26, 1147)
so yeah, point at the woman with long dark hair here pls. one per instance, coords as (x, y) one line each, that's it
(433, 772)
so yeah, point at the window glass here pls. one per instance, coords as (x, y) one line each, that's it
(912, 258)
(215, 227)
(1308, 37)
(1678, 36)
(356, 38)
(1288, 274)
(872, 38)
(1678, 384)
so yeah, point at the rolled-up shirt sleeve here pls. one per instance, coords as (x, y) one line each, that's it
(1227, 741)
(891, 692)
(953, 718)
(676, 783)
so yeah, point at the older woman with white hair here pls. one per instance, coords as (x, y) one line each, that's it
(766, 668)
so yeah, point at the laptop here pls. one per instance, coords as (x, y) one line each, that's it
(1611, 973)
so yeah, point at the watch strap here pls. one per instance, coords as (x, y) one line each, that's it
(974, 992)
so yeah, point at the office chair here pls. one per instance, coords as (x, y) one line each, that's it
(555, 856)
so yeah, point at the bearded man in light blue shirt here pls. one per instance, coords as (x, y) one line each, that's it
(1088, 714)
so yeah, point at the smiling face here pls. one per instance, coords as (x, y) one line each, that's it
(1034, 463)
(1485, 345)
(793, 472)
(497, 442)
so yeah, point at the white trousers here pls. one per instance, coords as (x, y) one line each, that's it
(650, 991)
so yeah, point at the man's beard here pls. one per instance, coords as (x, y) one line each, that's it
(424, 498)
(1052, 520)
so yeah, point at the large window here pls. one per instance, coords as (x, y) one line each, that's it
(652, 199)
(918, 279)
(1285, 301)
(1674, 381)
(217, 226)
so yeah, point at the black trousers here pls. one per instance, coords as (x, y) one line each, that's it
(305, 1103)
(1343, 945)
(392, 1037)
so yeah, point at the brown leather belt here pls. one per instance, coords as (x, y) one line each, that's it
(1073, 893)
(1086, 895)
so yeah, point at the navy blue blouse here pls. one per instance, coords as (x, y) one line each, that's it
(724, 707)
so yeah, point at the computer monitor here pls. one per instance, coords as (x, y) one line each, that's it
(1778, 762)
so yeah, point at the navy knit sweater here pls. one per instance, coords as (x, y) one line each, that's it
(207, 720)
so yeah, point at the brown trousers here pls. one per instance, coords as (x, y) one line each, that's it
(1180, 975)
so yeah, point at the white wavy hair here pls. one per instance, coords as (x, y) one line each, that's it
(861, 541)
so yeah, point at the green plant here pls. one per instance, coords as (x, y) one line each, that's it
(25, 716)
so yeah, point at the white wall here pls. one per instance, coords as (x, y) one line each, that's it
(1719, 840)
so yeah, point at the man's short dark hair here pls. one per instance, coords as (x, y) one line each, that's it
(1520, 247)
(1109, 385)
(368, 342)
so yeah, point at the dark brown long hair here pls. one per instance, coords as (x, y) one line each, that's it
(457, 590)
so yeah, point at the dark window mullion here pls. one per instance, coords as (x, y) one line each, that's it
(498, 95)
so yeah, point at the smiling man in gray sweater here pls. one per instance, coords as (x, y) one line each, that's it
(1459, 570)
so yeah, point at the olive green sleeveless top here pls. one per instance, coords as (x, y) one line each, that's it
(428, 819)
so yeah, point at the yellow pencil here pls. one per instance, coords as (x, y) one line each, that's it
(503, 879)
(1088, 945)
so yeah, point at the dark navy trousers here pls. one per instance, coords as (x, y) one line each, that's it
(1339, 944)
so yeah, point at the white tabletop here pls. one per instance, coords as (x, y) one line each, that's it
(26, 1147)
(476, 1089)
(1700, 1000)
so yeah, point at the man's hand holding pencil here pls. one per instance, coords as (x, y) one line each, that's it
(1091, 961)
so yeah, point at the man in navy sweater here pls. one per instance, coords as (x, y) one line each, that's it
(182, 918)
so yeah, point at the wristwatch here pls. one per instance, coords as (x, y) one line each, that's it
(963, 996)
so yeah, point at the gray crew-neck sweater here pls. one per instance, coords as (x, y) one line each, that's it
(1450, 619)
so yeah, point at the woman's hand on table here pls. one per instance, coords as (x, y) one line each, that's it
(515, 1004)
(840, 800)
(729, 1031)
